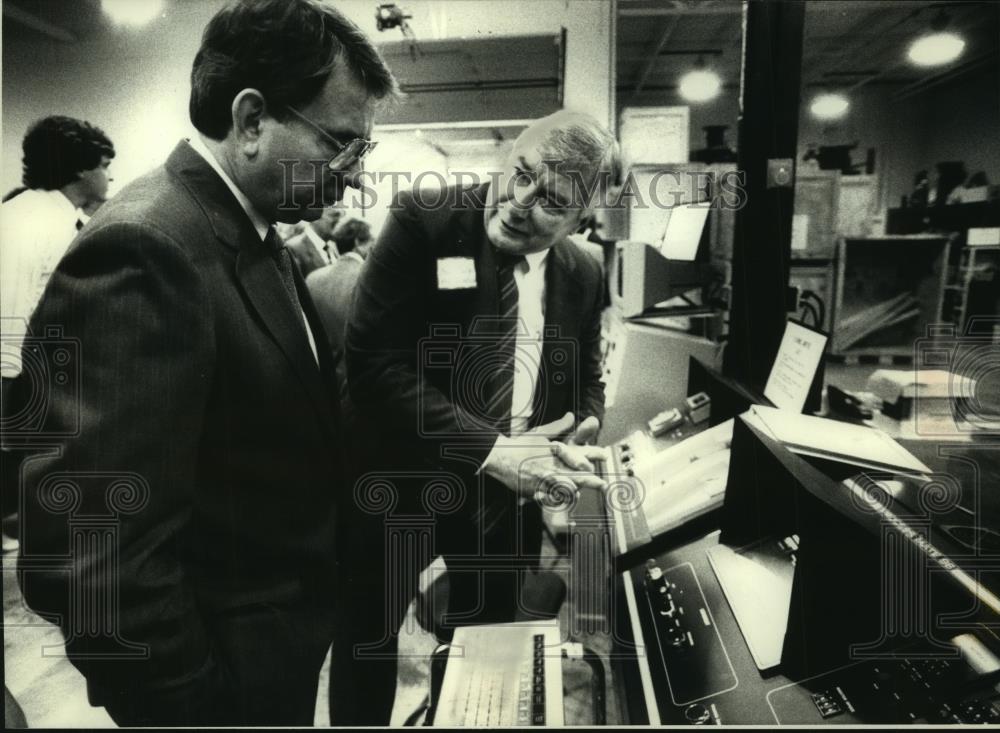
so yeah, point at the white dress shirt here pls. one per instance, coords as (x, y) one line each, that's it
(530, 279)
(260, 224)
(36, 228)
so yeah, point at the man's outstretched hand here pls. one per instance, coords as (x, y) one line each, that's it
(532, 465)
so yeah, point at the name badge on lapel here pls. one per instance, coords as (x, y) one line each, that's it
(456, 273)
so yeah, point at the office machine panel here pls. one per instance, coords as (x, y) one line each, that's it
(840, 653)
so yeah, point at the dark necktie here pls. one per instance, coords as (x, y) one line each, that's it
(500, 402)
(283, 260)
(326, 253)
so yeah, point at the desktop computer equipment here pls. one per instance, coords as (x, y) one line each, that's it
(678, 500)
(644, 273)
(503, 675)
(792, 612)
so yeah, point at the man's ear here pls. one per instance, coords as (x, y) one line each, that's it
(248, 111)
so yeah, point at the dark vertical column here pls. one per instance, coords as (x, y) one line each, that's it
(768, 133)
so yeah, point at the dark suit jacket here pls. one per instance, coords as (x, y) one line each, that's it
(412, 346)
(205, 435)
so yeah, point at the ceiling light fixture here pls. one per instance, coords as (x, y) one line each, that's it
(829, 106)
(700, 84)
(938, 47)
(132, 12)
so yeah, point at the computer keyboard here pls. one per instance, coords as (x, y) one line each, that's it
(503, 675)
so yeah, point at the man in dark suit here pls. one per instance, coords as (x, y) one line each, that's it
(474, 337)
(181, 531)
(313, 247)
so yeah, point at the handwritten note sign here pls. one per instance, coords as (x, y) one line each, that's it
(795, 367)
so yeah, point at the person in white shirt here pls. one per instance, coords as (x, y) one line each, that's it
(65, 165)
(66, 173)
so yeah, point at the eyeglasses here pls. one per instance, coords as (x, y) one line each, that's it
(347, 153)
(547, 202)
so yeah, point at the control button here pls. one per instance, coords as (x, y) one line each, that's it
(677, 637)
(697, 713)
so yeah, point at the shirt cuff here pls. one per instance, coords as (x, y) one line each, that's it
(502, 442)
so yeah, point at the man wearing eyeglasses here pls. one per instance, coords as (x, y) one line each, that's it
(474, 339)
(201, 428)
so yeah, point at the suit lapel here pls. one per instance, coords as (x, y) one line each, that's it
(561, 291)
(479, 245)
(327, 364)
(256, 272)
(258, 276)
(562, 303)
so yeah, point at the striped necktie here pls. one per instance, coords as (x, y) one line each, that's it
(503, 381)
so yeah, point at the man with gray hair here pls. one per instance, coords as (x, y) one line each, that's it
(472, 347)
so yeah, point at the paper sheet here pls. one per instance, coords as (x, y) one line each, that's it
(795, 367)
(840, 441)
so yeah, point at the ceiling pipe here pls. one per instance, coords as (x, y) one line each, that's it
(668, 30)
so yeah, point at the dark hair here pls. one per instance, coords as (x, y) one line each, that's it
(348, 233)
(286, 49)
(57, 149)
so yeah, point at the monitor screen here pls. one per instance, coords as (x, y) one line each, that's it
(682, 233)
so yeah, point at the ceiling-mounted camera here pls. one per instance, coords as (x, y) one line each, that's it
(391, 15)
